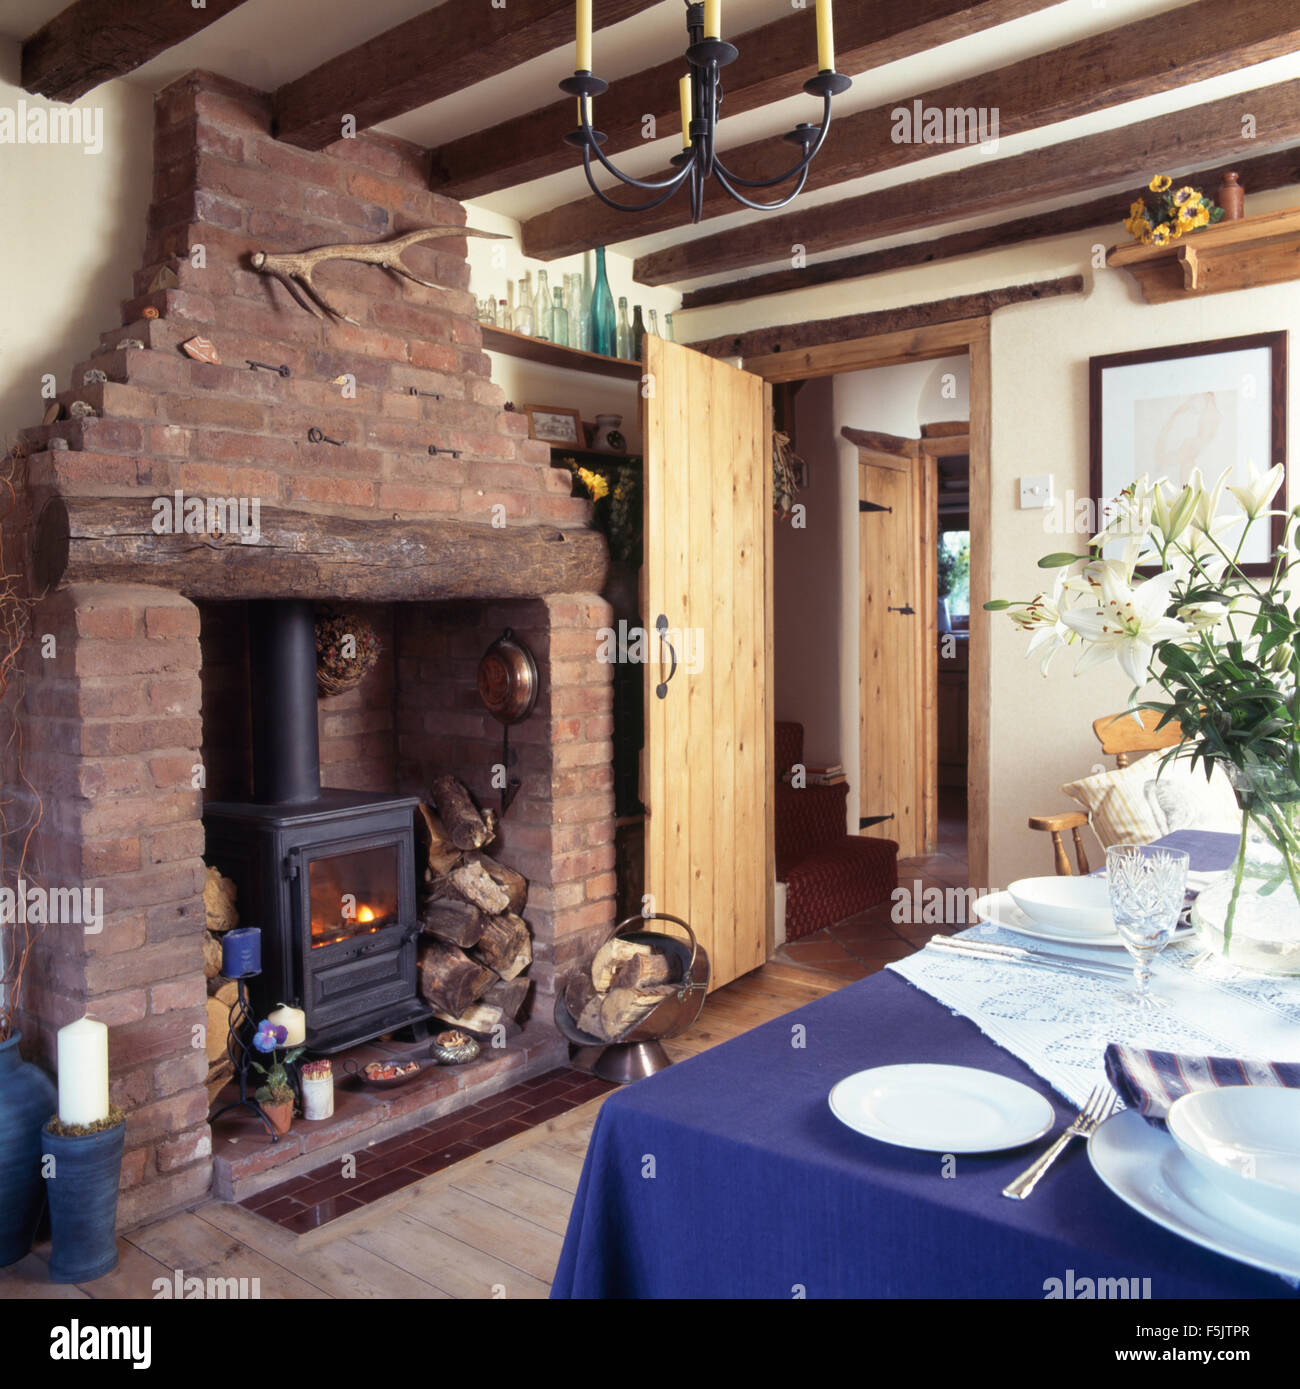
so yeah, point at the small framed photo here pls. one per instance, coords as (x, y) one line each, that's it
(1209, 405)
(553, 424)
(802, 476)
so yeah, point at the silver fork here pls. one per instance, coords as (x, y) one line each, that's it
(1101, 1105)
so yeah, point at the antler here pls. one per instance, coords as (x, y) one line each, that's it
(294, 271)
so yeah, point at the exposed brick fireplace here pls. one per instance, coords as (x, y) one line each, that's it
(136, 714)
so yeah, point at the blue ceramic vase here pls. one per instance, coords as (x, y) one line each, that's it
(27, 1099)
(82, 1191)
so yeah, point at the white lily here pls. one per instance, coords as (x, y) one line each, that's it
(1043, 618)
(1130, 514)
(1253, 497)
(1203, 617)
(1172, 508)
(1126, 624)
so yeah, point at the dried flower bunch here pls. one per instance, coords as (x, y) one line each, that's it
(347, 647)
(1174, 212)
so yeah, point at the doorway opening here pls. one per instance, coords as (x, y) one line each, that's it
(875, 580)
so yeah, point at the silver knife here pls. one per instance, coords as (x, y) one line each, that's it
(1014, 954)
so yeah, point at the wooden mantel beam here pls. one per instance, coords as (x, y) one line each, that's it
(1175, 144)
(93, 41)
(444, 50)
(305, 555)
(1114, 67)
(775, 61)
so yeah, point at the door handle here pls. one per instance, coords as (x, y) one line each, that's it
(907, 611)
(661, 626)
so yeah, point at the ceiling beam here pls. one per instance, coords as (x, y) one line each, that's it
(1136, 60)
(1257, 175)
(1175, 144)
(93, 41)
(795, 338)
(774, 61)
(441, 51)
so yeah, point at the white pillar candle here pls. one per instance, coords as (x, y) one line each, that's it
(294, 1022)
(583, 55)
(712, 19)
(83, 1072)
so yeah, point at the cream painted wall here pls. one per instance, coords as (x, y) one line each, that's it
(70, 239)
(494, 263)
(1040, 733)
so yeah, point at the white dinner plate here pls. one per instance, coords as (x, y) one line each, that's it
(999, 909)
(1144, 1167)
(941, 1109)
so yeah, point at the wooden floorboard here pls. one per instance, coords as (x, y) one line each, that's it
(489, 1227)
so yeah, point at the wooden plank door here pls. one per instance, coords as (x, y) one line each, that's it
(707, 765)
(897, 678)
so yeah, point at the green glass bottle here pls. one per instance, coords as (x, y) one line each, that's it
(638, 333)
(604, 332)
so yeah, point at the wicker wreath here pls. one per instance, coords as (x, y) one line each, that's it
(347, 647)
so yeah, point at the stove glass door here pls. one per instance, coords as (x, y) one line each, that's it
(353, 894)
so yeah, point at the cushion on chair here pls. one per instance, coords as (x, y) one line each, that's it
(1144, 801)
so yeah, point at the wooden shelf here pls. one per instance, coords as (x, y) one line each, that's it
(590, 456)
(552, 355)
(1229, 255)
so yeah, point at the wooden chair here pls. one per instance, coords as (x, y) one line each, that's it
(1121, 736)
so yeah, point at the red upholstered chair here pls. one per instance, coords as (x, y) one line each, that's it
(829, 874)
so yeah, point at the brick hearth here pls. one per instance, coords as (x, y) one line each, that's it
(133, 714)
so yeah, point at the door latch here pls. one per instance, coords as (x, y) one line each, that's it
(906, 611)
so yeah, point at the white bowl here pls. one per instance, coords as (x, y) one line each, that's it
(1246, 1140)
(1076, 904)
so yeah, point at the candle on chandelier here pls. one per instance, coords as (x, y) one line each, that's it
(688, 105)
(83, 1072)
(584, 36)
(712, 19)
(825, 37)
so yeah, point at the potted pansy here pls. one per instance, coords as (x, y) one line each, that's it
(1215, 649)
(275, 1094)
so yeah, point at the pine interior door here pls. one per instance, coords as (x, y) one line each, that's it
(898, 656)
(706, 605)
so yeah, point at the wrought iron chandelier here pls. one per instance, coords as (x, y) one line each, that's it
(701, 97)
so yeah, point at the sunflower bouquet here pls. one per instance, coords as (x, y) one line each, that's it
(1174, 212)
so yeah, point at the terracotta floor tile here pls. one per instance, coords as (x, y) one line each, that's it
(329, 1186)
(488, 1138)
(873, 951)
(456, 1129)
(550, 1109)
(545, 1092)
(394, 1158)
(383, 1185)
(537, 1082)
(443, 1157)
(279, 1210)
(846, 969)
(316, 1216)
(389, 1145)
(507, 1109)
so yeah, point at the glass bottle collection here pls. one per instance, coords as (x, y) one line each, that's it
(579, 313)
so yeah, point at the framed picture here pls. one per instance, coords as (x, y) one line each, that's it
(1208, 405)
(553, 424)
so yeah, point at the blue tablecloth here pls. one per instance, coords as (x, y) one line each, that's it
(727, 1176)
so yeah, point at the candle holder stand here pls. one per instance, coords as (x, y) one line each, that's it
(241, 1057)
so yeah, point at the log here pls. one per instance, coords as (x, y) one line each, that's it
(459, 814)
(514, 883)
(578, 993)
(211, 955)
(449, 979)
(509, 995)
(589, 1019)
(305, 555)
(622, 1009)
(433, 842)
(642, 970)
(504, 940)
(471, 882)
(219, 908)
(480, 1018)
(218, 1026)
(611, 955)
(457, 923)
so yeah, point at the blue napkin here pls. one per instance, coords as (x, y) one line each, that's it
(1150, 1081)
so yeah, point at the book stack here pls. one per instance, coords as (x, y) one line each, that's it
(826, 776)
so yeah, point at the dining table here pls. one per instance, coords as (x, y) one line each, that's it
(727, 1175)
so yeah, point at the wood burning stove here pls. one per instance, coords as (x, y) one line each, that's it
(328, 875)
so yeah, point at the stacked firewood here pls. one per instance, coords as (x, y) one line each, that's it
(627, 980)
(220, 915)
(475, 945)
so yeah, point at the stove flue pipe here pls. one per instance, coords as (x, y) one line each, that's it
(282, 666)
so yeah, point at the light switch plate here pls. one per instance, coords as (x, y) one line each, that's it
(1036, 493)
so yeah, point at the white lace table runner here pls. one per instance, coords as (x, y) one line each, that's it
(1059, 1024)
